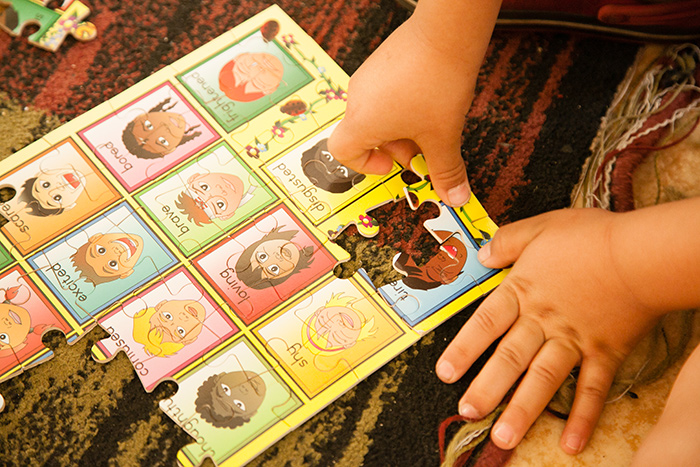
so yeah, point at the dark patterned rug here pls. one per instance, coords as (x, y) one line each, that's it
(538, 106)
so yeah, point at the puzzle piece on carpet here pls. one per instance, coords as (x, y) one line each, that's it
(54, 191)
(116, 251)
(271, 259)
(54, 24)
(164, 329)
(226, 403)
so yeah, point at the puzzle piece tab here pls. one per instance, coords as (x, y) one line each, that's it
(54, 25)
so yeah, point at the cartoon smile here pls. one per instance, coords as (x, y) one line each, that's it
(450, 250)
(128, 245)
(72, 180)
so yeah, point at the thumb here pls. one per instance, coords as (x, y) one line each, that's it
(348, 147)
(510, 241)
(446, 168)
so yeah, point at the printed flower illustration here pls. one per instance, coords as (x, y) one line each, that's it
(367, 221)
(288, 40)
(252, 151)
(278, 130)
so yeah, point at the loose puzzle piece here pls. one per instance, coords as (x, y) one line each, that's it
(54, 25)
(194, 217)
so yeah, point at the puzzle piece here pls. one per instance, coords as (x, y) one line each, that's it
(228, 401)
(54, 25)
(54, 191)
(164, 329)
(115, 252)
(323, 335)
(264, 263)
(25, 316)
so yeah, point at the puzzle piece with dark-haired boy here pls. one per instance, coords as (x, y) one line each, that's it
(55, 190)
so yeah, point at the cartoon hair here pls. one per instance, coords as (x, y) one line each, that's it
(33, 206)
(132, 145)
(188, 206)
(324, 173)
(367, 328)
(253, 276)
(417, 277)
(87, 272)
(152, 337)
(213, 410)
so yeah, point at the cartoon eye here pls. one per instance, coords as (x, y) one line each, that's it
(327, 155)
(45, 184)
(261, 256)
(113, 264)
(273, 269)
(343, 171)
(286, 253)
(203, 186)
(148, 125)
(163, 142)
(221, 204)
(226, 389)
(58, 198)
(181, 331)
(239, 404)
(167, 315)
(100, 250)
(5, 339)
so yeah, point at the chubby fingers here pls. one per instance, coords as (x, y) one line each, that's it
(448, 173)
(594, 381)
(489, 322)
(351, 145)
(546, 373)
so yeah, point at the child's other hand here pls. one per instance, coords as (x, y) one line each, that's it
(567, 301)
(410, 96)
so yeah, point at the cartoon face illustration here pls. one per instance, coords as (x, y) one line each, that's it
(212, 196)
(321, 168)
(107, 257)
(442, 268)
(271, 260)
(250, 76)
(157, 132)
(52, 191)
(169, 326)
(337, 325)
(229, 400)
(15, 326)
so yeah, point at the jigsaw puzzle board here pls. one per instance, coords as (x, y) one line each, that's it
(192, 217)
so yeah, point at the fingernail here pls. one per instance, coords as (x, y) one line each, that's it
(574, 443)
(484, 253)
(459, 195)
(468, 411)
(504, 434)
(445, 371)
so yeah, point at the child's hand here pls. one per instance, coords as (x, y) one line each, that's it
(568, 301)
(410, 96)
